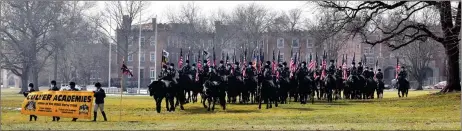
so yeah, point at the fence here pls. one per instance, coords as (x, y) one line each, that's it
(143, 91)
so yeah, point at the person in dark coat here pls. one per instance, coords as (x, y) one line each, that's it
(99, 101)
(54, 88)
(25, 94)
(72, 86)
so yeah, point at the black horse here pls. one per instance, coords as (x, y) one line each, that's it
(214, 92)
(162, 89)
(351, 88)
(284, 87)
(403, 87)
(306, 88)
(370, 87)
(249, 93)
(329, 83)
(187, 83)
(267, 93)
(235, 87)
(380, 88)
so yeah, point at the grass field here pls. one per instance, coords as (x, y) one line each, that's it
(421, 110)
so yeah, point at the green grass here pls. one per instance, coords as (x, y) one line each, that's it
(421, 110)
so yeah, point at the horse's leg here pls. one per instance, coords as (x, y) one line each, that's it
(209, 99)
(158, 104)
(214, 101)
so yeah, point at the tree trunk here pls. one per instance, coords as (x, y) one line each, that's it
(453, 81)
(24, 79)
(419, 84)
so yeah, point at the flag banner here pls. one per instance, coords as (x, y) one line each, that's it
(125, 70)
(70, 104)
(180, 61)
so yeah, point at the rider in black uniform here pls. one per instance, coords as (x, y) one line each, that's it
(379, 77)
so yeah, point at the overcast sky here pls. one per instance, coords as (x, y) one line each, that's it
(160, 7)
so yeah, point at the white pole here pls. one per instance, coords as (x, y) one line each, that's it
(110, 50)
(139, 56)
(155, 51)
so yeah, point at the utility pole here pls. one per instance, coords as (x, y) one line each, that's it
(139, 56)
(155, 51)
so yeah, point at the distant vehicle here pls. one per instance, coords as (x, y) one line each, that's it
(66, 87)
(439, 85)
(387, 87)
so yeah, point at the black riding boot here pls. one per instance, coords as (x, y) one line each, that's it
(74, 119)
(30, 117)
(104, 115)
(95, 115)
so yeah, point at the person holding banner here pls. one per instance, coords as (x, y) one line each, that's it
(99, 101)
(25, 95)
(54, 88)
(72, 86)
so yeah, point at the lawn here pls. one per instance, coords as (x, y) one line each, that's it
(421, 110)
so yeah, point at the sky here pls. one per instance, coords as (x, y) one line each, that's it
(160, 7)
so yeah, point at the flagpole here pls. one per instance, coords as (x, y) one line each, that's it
(155, 52)
(121, 91)
(139, 57)
(110, 50)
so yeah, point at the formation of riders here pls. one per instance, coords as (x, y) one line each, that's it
(281, 80)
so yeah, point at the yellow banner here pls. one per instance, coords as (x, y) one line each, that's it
(72, 104)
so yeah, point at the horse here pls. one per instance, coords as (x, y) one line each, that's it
(351, 88)
(360, 87)
(403, 86)
(249, 93)
(370, 87)
(236, 84)
(306, 88)
(213, 92)
(187, 83)
(284, 87)
(293, 88)
(380, 87)
(159, 90)
(329, 82)
(267, 93)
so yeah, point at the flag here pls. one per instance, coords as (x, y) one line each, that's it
(205, 54)
(397, 67)
(125, 70)
(365, 60)
(376, 66)
(279, 56)
(323, 73)
(274, 63)
(214, 59)
(316, 65)
(180, 61)
(312, 63)
(354, 55)
(199, 65)
(344, 68)
(164, 57)
(245, 62)
(227, 58)
(292, 63)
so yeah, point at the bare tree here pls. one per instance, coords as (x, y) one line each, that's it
(365, 13)
(253, 21)
(324, 33)
(26, 32)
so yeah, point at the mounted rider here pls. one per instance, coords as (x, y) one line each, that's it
(285, 70)
(331, 69)
(360, 69)
(171, 73)
(250, 70)
(402, 75)
(237, 69)
(302, 71)
(267, 73)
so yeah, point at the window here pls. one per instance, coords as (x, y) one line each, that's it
(142, 41)
(130, 57)
(142, 57)
(152, 56)
(295, 43)
(371, 61)
(280, 43)
(368, 50)
(141, 73)
(153, 40)
(309, 44)
(151, 73)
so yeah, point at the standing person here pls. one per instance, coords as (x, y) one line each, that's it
(25, 94)
(54, 88)
(99, 101)
(72, 86)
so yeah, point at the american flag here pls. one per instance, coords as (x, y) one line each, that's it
(312, 64)
(125, 70)
(291, 66)
(180, 61)
(397, 68)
